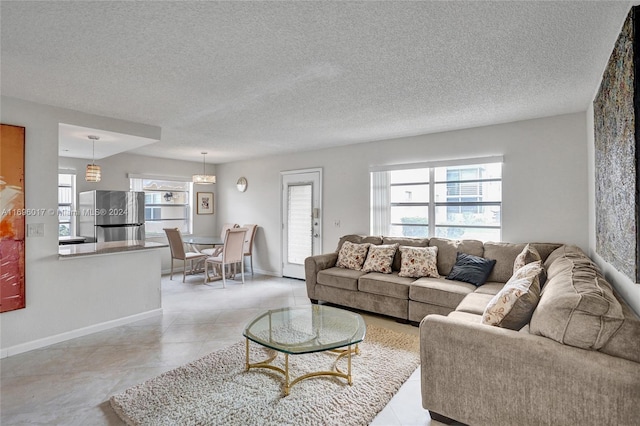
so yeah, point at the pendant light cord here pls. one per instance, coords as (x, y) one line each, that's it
(93, 149)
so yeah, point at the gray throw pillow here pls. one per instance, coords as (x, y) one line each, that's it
(471, 269)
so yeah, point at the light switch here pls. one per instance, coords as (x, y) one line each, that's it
(35, 230)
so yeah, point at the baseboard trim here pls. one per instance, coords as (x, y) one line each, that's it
(247, 272)
(263, 272)
(58, 338)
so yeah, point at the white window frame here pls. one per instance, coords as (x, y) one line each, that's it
(136, 182)
(380, 202)
(71, 206)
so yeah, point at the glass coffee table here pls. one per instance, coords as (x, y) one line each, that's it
(303, 330)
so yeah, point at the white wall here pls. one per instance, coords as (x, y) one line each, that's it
(115, 170)
(64, 296)
(547, 188)
(629, 290)
(544, 198)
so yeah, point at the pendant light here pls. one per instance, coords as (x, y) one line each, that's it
(93, 173)
(204, 178)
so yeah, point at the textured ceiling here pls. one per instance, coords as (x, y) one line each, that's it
(74, 141)
(249, 79)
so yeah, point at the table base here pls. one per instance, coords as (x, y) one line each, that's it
(289, 383)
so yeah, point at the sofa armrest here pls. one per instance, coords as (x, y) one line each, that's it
(315, 264)
(484, 375)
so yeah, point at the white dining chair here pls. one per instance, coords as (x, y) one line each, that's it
(248, 243)
(176, 246)
(232, 253)
(217, 250)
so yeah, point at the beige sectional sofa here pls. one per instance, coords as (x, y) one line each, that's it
(410, 298)
(576, 362)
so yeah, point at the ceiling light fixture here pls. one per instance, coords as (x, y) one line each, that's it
(204, 178)
(93, 173)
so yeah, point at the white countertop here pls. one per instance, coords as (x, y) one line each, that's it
(88, 249)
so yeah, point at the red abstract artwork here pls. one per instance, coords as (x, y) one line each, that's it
(12, 225)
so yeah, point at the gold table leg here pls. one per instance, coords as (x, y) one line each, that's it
(246, 363)
(288, 383)
(349, 379)
(287, 388)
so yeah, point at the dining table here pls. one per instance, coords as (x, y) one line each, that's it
(195, 241)
(212, 241)
(204, 241)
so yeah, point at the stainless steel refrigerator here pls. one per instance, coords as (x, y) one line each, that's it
(111, 215)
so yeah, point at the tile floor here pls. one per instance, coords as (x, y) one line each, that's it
(70, 383)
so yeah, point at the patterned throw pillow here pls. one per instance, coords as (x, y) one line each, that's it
(418, 262)
(529, 254)
(380, 258)
(513, 306)
(352, 256)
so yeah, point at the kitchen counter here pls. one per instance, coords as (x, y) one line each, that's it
(92, 249)
(71, 240)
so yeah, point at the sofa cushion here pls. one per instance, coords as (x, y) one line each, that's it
(466, 316)
(624, 343)
(561, 251)
(577, 306)
(419, 262)
(471, 269)
(358, 239)
(513, 306)
(404, 241)
(474, 303)
(437, 291)
(490, 287)
(352, 256)
(448, 251)
(385, 285)
(545, 249)
(504, 254)
(379, 258)
(346, 279)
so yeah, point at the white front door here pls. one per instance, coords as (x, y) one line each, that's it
(301, 219)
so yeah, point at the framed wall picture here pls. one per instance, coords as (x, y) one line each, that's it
(205, 202)
(12, 229)
(617, 154)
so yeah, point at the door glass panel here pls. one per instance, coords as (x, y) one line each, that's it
(299, 223)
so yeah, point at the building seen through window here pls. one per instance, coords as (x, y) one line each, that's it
(167, 204)
(66, 204)
(458, 202)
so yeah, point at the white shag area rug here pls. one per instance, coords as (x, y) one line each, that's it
(216, 389)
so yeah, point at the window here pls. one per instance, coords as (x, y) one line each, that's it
(66, 204)
(458, 201)
(167, 204)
